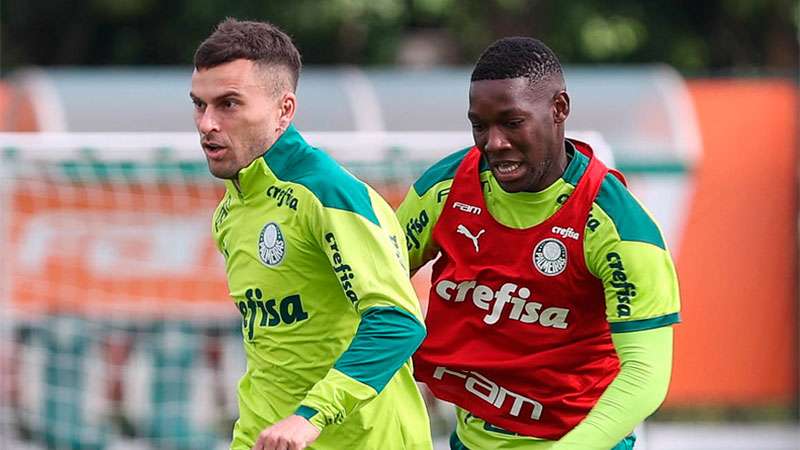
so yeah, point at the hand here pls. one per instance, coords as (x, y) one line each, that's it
(292, 433)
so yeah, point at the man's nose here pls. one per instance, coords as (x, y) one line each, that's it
(496, 140)
(207, 122)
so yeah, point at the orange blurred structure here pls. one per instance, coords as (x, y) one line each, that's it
(16, 110)
(737, 345)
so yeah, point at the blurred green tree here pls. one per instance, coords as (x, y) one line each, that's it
(693, 36)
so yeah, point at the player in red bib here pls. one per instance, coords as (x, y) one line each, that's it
(550, 312)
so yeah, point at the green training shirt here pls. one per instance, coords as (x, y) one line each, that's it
(623, 247)
(316, 265)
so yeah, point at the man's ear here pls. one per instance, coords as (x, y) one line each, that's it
(288, 106)
(561, 107)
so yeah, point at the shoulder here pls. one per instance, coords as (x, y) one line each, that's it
(629, 218)
(443, 170)
(332, 185)
(632, 222)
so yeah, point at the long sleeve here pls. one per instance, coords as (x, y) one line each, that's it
(635, 393)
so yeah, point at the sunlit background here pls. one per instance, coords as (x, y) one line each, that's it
(116, 331)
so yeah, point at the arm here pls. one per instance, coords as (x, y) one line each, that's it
(367, 254)
(417, 215)
(627, 253)
(385, 340)
(636, 392)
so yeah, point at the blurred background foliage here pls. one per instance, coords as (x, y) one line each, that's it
(710, 36)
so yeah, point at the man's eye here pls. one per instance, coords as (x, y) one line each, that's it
(477, 126)
(229, 104)
(514, 123)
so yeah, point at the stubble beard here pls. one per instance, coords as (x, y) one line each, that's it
(251, 148)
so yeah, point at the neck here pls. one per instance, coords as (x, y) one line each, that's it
(554, 170)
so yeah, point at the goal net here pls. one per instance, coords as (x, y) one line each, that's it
(116, 330)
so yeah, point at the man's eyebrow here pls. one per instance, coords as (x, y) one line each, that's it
(509, 111)
(504, 112)
(228, 93)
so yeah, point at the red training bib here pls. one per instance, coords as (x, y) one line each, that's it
(517, 330)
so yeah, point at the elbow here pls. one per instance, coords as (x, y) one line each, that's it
(418, 335)
(660, 393)
(649, 386)
(659, 386)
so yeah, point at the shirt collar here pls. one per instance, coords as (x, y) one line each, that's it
(259, 173)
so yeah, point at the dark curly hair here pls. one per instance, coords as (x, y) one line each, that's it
(515, 57)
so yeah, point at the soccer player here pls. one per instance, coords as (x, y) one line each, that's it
(315, 260)
(550, 313)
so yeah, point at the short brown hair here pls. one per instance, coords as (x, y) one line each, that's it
(261, 42)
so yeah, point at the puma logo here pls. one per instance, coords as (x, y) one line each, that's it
(474, 238)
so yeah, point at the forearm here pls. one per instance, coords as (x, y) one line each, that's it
(635, 393)
(385, 340)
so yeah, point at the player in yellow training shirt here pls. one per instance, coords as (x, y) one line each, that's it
(315, 260)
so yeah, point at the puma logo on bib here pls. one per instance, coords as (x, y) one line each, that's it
(474, 238)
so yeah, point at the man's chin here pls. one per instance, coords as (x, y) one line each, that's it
(510, 185)
(224, 173)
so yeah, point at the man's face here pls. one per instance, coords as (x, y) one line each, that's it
(519, 129)
(236, 113)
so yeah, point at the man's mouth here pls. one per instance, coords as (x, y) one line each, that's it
(508, 170)
(213, 150)
(507, 167)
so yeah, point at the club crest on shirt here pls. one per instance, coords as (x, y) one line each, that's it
(271, 245)
(550, 257)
